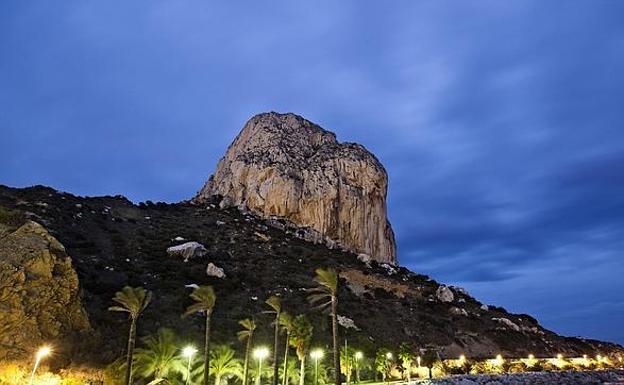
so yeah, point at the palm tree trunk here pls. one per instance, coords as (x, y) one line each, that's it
(246, 366)
(217, 379)
(130, 352)
(275, 347)
(207, 348)
(302, 371)
(334, 306)
(285, 379)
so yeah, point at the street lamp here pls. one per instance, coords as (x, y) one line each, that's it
(358, 356)
(41, 353)
(188, 352)
(260, 354)
(316, 354)
(388, 356)
(418, 361)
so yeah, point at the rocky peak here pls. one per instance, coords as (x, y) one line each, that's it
(286, 166)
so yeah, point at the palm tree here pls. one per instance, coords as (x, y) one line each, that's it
(286, 322)
(131, 300)
(407, 357)
(159, 357)
(347, 362)
(289, 373)
(325, 295)
(246, 335)
(300, 340)
(276, 304)
(205, 298)
(223, 363)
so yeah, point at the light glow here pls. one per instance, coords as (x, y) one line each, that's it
(317, 354)
(189, 351)
(359, 355)
(261, 353)
(389, 356)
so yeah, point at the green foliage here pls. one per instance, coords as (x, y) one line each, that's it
(327, 287)
(159, 357)
(205, 299)
(301, 335)
(131, 300)
(292, 370)
(383, 364)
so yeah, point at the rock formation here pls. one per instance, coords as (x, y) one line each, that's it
(39, 294)
(285, 166)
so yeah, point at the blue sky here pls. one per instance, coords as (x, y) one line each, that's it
(501, 123)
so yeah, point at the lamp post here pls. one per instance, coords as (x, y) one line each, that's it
(316, 354)
(188, 352)
(260, 354)
(358, 356)
(41, 353)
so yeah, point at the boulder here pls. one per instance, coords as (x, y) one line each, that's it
(213, 270)
(508, 323)
(187, 250)
(444, 294)
(39, 292)
(285, 166)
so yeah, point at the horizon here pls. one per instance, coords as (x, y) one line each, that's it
(499, 128)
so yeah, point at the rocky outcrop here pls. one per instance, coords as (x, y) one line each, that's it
(39, 294)
(187, 250)
(285, 166)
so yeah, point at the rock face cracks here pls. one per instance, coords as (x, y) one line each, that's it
(285, 166)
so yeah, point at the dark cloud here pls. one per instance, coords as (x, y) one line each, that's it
(500, 123)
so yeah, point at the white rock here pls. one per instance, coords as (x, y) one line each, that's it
(364, 258)
(214, 271)
(220, 223)
(444, 294)
(459, 311)
(508, 323)
(178, 239)
(192, 286)
(187, 250)
(485, 307)
(347, 322)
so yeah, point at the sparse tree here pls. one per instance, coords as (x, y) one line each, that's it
(205, 298)
(131, 300)
(276, 305)
(429, 359)
(300, 339)
(383, 364)
(246, 335)
(325, 297)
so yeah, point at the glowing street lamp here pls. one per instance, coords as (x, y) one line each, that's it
(531, 357)
(418, 361)
(41, 353)
(358, 356)
(316, 354)
(462, 359)
(560, 357)
(499, 360)
(188, 352)
(260, 354)
(388, 356)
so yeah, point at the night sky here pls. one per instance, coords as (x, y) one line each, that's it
(501, 123)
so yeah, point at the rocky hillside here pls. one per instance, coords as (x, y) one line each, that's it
(285, 166)
(113, 242)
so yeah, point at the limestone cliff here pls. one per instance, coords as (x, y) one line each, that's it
(286, 166)
(39, 295)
